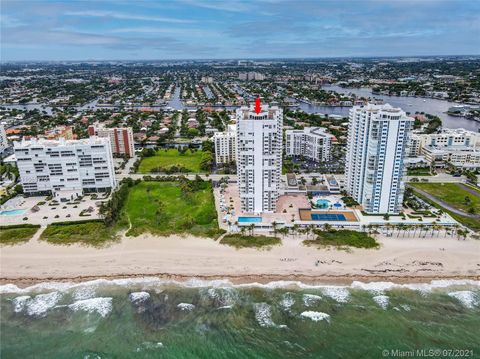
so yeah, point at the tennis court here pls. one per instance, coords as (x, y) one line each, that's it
(327, 217)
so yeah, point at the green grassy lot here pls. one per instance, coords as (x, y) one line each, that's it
(171, 157)
(472, 223)
(93, 233)
(451, 193)
(242, 241)
(161, 208)
(17, 234)
(342, 238)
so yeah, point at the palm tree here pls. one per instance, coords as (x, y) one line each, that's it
(252, 228)
(242, 230)
(295, 229)
(407, 228)
(422, 227)
(274, 226)
(388, 226)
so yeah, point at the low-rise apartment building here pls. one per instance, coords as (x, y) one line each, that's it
(311, 142)
(457, 147)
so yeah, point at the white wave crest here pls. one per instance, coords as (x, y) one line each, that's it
(466, 297)
(311, 299)
(19, 303)
(83, 292)
(339, 294)
(316, 316)
(382, 301)
(155, 282)
(186, 306)
(149, 346)
(100, 305)
(225, 296)
(40, 304)
(138, 297)
(263, 314)
(288, 301)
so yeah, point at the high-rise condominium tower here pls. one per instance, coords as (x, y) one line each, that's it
(378, 138)
(259, 157)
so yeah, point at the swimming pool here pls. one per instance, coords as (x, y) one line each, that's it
(13, 212)
(323, 203)
(249, 219)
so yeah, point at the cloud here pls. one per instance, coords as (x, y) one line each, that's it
(221, 5)
(165, 30)
(243, 28)
(125, 16)
(10, 21)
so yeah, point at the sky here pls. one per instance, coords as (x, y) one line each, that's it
(203, 29)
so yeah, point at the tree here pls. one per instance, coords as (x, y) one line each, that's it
(192, 132)
(274, 226)
(206, 161)
(252, 228)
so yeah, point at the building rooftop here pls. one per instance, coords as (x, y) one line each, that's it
(61, 142)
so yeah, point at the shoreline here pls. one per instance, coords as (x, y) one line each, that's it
(340, 280)
(183, 258)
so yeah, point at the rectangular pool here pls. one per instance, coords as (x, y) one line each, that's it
(13, 212)
(249, 219)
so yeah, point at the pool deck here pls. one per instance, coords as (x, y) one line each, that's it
(47, 213)
(295, 209)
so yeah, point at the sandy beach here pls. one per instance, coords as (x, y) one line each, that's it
(397, 260)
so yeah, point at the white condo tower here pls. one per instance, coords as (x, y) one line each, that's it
(378, 138)
(259, 157)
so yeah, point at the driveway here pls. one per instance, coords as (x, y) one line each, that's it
(445, 205)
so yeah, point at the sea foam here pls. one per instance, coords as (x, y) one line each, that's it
(138, 297)
(316, 316)
(155, 282)
(224, 296)
(263, 314)
(311, 299)
(100, 305)
(340, 294)
(466, 297)
(288, 301)
(186, 306)
(84, 292)
(382, 301)
(19, 303)
(40, 304)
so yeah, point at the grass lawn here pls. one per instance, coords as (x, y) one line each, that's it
(17, 234)
(242, 241)
(342, 238)
(161, 208)
(472, 223)
(93, 233)
(171, 157)
(451, 193)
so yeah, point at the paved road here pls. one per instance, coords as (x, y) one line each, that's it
(470, 190)
(445, 205)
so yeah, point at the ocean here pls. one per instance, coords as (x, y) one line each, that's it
(154, 318)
